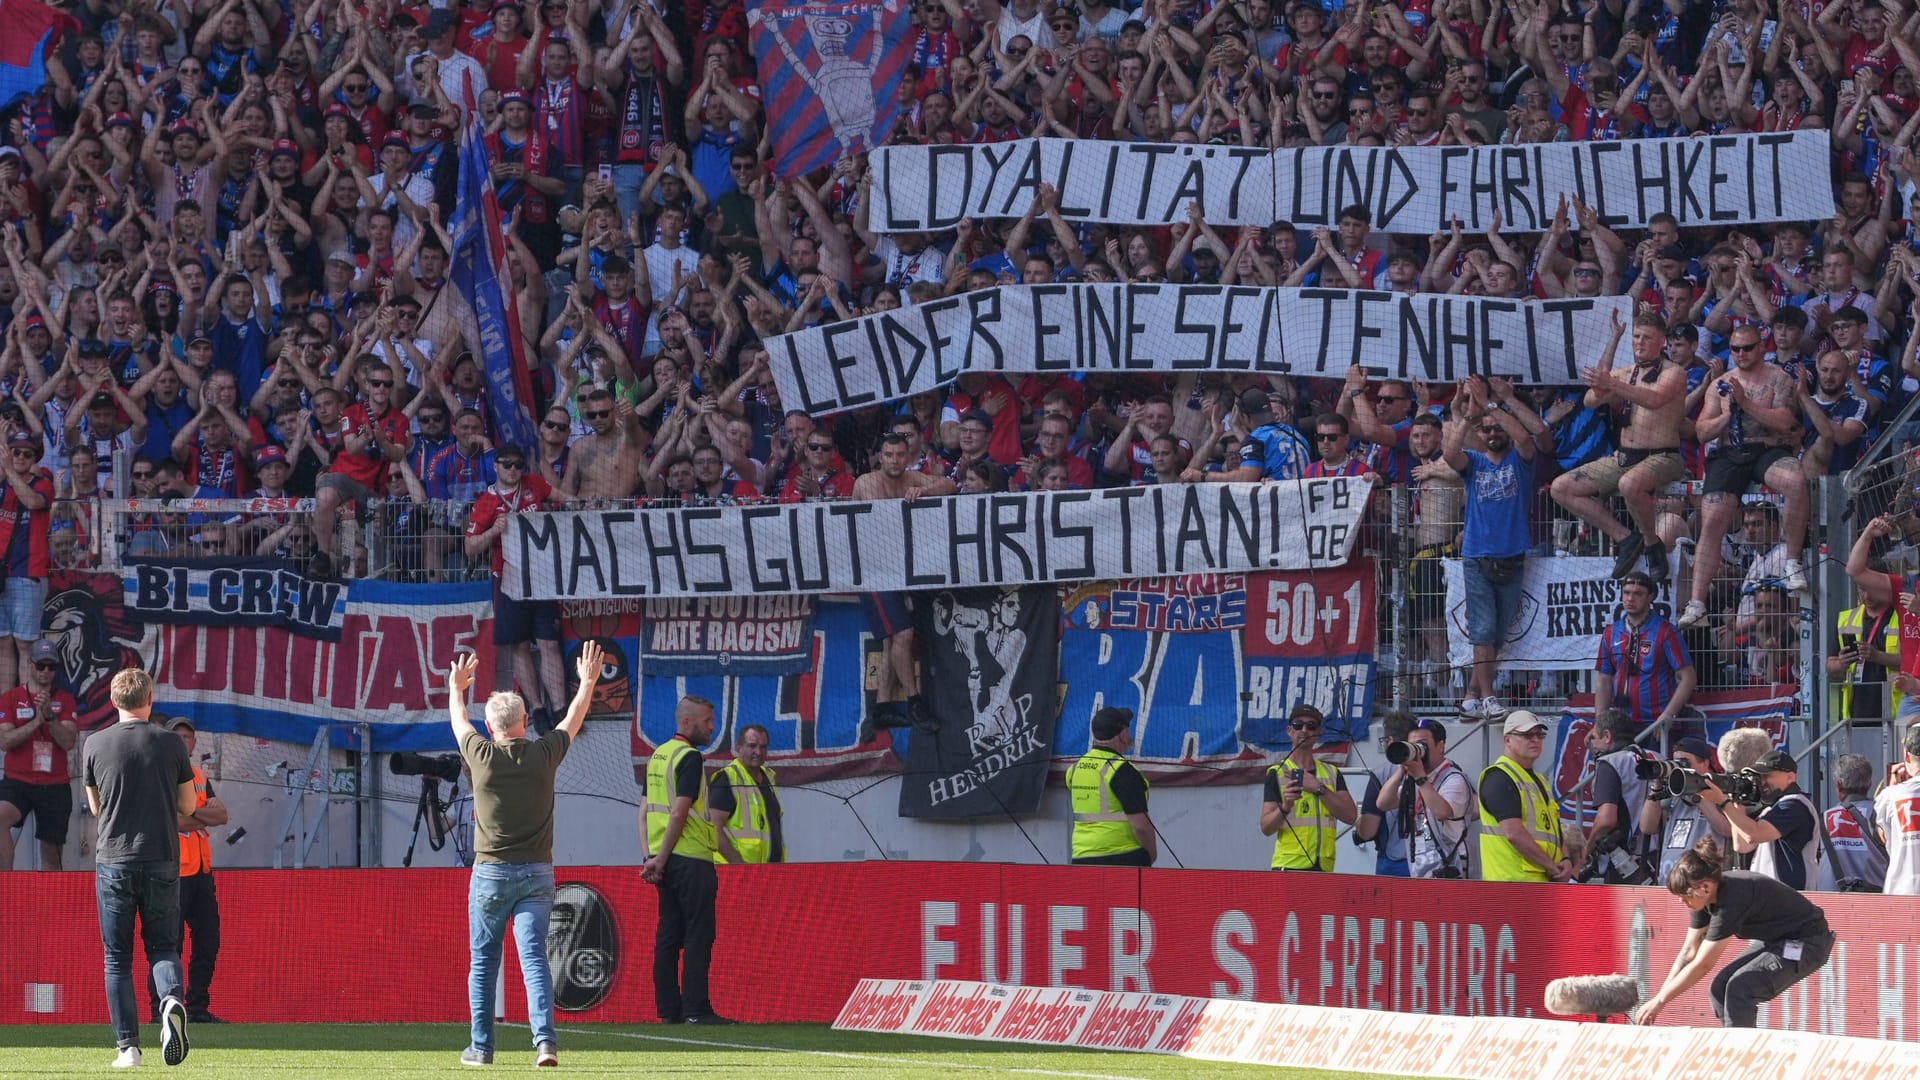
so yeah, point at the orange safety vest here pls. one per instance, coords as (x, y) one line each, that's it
(196, 850)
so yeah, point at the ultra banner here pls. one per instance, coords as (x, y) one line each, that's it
(1173, 649)
(1565, 605)
(990, 679)
(1088, 329)
(892, 545)
(1415, 190)
(234, 592)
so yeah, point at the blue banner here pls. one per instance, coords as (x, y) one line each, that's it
(832, 71)
(727, 635)
(479, 267)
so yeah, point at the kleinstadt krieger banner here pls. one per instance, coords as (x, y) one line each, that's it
(1032, 538)
(1086, 329)
(1419, 190)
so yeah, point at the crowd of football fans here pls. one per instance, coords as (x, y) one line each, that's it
(227, 271)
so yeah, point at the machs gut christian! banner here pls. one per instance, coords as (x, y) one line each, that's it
(1418, 190)
(955, 541)
(1091, 329)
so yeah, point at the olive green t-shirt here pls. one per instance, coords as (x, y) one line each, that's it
(513, 796)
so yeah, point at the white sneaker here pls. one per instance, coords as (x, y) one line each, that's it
(129, 1058)
(1691, 617)
(173, 1030)
(1470, 707)
(1491, 709)
(545, 1056)
(1795, 579)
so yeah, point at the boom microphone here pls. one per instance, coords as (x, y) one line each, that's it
(1742, 747)
(1598, 996)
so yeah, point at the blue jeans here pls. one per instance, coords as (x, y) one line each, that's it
(522, 893)
(1491, 609)
(627, 181)
(151, 891)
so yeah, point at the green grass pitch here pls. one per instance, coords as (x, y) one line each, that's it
(400, 1052)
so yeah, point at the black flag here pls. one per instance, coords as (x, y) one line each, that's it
(989, 676)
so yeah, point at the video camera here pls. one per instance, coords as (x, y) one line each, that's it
(432, 766)
(1744, 787)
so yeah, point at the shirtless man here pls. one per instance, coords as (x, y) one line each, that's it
(1753, 415)
(897, 695)
(605, 464)
(1649, 399)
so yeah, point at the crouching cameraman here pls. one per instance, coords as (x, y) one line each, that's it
(1681, 819)
(1791, 939)
(1782, 839)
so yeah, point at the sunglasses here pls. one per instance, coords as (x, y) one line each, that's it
(820, 448)
(601, 415)
(380, 383)
(357, 88)
(1302, 725)
(143, 474)
(552, 426)
(44, 665)
(509, 464)
(1743, 348)
(1326, 436)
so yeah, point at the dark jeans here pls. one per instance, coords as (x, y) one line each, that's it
(150, 890)
(200, 918)
(1762, 974)
(688, 890)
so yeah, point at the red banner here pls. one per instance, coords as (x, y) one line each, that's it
(396, 946)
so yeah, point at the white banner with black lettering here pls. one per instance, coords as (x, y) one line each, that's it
(892, 545)
(1565, 605)
(1085, 329)
(1712, 180)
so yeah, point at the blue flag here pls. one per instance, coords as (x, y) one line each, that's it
(479, 260)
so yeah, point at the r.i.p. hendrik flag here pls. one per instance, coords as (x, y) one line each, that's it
(27, 31)
(831, 70)
(480, 272)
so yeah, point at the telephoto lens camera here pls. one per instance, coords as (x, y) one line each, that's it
(1401, 751)
(434, 766)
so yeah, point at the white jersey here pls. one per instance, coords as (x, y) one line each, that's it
(1897, 812)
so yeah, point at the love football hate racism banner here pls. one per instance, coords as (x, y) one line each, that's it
(1415, 190)
(991, 680)
(956, 541)
(1117, 328)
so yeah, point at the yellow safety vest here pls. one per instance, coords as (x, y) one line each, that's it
(1499, 860)
(747, 826)
(1307, 839)
(697, 836)
(1854, 623)
(196, 850)
(1100, 827)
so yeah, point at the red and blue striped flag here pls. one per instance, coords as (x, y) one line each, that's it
(28, 30)
(830, 73)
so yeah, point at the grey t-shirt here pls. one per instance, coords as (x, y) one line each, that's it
(513, 796)
(137, 769)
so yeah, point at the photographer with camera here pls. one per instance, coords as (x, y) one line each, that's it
(1791, 939)
(1856, 859)
(513, 845)
(1305, 801)
(1387, 829)
(1441, 798)
(1680, 818)
(1617, 850)
(1781, 839)
(1520, 834)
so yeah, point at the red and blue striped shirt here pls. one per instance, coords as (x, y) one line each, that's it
(1644, 662)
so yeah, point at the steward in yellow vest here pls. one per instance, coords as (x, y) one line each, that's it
(1861, 672)
(1305, 801)
(681, 843)
(1520, 834)
(744, 804)
(1110, 823)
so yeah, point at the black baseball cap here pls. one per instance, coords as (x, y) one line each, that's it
(1110, 722)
